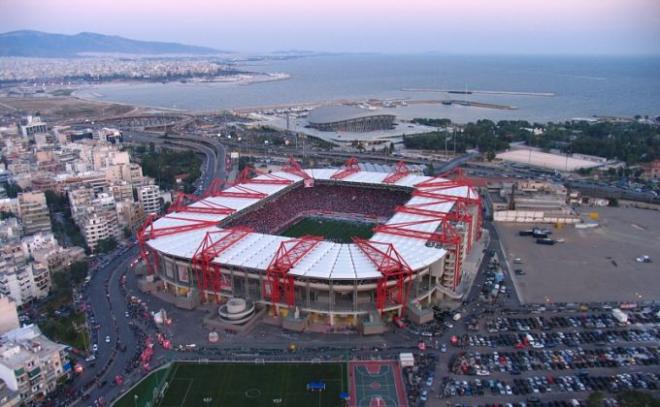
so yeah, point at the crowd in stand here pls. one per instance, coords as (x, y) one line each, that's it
(319, 200)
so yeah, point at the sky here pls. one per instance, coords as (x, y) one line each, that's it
(618, 27)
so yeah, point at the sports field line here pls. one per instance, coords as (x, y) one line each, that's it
(190, 382)
(185, 396)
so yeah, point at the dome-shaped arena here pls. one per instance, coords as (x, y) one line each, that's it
(233, 242)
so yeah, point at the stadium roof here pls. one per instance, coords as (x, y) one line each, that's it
(328, 260)
(339, 113)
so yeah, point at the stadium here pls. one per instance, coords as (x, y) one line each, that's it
(349, 119)
(395, 244)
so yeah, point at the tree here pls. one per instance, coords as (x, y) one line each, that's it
(55, 201)
(61, 285)
(78, 271)
(6, 215)
(490, 155)
(106, 245)
(595, 399)
(634, 398)
(12, 189)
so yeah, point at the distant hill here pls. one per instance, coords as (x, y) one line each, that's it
(40, 44)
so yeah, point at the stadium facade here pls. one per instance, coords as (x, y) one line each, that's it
(349, 119)
(202, 253)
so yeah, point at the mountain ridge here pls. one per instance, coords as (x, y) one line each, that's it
(32, 43)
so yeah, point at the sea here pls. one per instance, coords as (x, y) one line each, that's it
(582, 86)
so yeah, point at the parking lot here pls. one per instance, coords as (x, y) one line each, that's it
(588, 265)
(551, 356)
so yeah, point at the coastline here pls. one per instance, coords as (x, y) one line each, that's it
(89, 91)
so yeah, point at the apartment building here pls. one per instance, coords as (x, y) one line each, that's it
(130, 214)
(31, 364)
(8, 398)
(8, 316)
(20, 279)
(33, 211)
(121, 191)
(45, 250)
(33, 125)
(99, 220)
(149, 197)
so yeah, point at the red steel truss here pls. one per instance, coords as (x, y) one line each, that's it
(438, 188)
(400, 171)
(209, 276)
(150, 231)
(350, 167)
(459, 212)
(392, 266)
(446, 234)
(287, 256)
(249, 174)
(240, 191)
(180, 201)
(203, 206)
(461, 203)
(294, 167)
(214, 188)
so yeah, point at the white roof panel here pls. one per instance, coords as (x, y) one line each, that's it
(183, 244)
(185, 219)
(367, 177)
(255, 251)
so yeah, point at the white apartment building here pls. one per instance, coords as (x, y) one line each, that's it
(21, 280)
(99, 220)
(149, 197)
(30, 363)
(32, 126)
(99, 226)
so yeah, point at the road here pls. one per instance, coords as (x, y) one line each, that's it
(108, 305)
(214, 164)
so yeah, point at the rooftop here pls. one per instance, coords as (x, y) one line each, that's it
(22, 344)
(338, 113)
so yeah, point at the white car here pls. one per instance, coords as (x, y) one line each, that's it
(95, 347)
(107, 339)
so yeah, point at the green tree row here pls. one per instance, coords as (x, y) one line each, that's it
(631, 142)
(165, 165)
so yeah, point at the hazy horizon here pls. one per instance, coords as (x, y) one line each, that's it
(473, 27)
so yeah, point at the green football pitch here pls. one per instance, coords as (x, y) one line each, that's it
(242, 384)
(335, 230)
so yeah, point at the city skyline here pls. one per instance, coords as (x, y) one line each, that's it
(586, 27)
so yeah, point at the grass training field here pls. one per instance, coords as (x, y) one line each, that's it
(245, 384)
(335, 230)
